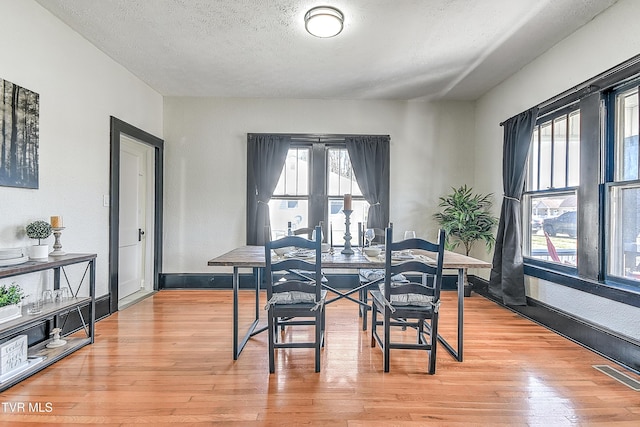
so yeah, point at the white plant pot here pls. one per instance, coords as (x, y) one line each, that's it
(10, 312)
(39, 252)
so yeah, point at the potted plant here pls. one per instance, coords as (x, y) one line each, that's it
(39, 230)
(466, 218)
(10, 302)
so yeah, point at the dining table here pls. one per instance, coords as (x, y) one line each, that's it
(253, 257)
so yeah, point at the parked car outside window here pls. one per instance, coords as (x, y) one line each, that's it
(563, 224)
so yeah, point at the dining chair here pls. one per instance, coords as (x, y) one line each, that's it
(371, 277)
(305, 231)
(407, 304)
(294, 293)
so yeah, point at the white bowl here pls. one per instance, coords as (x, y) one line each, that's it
(326, 247)
(372, 251)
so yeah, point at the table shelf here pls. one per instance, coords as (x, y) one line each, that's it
(39, 355)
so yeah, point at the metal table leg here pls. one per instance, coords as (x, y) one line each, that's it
(238, 346)
(458, 355)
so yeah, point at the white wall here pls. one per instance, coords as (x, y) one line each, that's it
(79, 88)
(610, 39)
(205, 166)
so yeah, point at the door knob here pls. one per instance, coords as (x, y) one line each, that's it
(140, 234)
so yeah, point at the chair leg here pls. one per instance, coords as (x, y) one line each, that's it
(364, 309)
(434, 344)
(273, 330)
(324, 324)
(374, 313)
(387, 338)
(318, 338)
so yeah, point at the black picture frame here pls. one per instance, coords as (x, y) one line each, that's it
(19, 136)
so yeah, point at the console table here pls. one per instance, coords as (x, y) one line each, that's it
(39, 355)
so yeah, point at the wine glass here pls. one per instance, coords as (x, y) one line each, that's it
(313, 235)
(369, 235)
(409, 234)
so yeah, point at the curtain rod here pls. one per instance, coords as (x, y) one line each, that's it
(317, 135)
(589, 86)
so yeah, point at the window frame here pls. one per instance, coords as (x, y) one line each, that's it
(598, 129)
(318, 197)
(610, 106)
(533, 190)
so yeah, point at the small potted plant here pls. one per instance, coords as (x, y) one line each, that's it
(39, 230)
(10, 302)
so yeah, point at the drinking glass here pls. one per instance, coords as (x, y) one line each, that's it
(369, 235)
(34, 304)
(409, 235)
(47, 296)
(65, 293)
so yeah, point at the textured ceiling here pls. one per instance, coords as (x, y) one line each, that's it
(389, 49)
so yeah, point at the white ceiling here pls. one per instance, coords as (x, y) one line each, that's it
(389, 49)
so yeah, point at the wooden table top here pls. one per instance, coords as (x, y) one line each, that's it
(253, 256)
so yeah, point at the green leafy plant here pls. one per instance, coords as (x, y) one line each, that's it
(10, 295)
(466, 218)
(39, 230)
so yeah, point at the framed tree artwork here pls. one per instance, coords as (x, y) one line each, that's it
(19, 127)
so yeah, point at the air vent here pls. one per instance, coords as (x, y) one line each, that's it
(619, 376)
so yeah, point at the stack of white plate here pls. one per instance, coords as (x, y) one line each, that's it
(13, 256)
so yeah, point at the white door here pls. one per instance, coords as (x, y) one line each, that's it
(135, 207)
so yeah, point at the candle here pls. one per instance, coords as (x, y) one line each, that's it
(56, 221)
(331, 233)
(347, 202)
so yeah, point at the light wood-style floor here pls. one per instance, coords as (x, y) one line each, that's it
(167, 360)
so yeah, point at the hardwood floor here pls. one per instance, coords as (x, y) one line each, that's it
(167, 360)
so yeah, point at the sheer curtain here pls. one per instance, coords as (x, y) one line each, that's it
(266, 155)
(370, 162)
(507, 274)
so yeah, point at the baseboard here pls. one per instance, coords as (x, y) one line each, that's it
(593, 337)
(224, 281)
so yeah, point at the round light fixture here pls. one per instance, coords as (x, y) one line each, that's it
(324, 21)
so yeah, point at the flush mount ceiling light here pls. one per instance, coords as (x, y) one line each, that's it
(324, 21)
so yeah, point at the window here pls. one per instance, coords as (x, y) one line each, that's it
(623, 193)
(290, 201)
(311, 188)
(340, 181)
(550, 200)
(581, 204)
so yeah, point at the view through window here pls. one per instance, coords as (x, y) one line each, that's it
(294, 201)
(550, 202)
(624, 193)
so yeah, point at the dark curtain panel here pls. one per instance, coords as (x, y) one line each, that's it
(507, 274)
(370, 162)
(266, 155)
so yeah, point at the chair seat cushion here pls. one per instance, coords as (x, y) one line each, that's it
(295, 297)
(378, 273)
(405, 299)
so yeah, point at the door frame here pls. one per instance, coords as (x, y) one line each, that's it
(119, 128)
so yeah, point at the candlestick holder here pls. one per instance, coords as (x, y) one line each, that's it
(57, 246)
(347, 234)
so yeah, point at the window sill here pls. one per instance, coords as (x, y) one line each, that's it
(568, 276)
